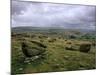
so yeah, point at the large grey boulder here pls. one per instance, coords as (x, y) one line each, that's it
(85, 47)
(30, 49)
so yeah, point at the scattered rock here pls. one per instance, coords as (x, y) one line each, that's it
(20, 68)
(52, 40)
(26, 61)
(59, 37)
(72, 36)
(55, 59)
(66, 57)
(32, 36)
(69, 42)
(56, 65)
(70, 47)
(36, 57)
(29, 49)
(39, 44)
(85, 47)
(41, 40)
(29, 63)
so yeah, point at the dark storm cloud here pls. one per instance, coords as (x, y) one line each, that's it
(53, 15)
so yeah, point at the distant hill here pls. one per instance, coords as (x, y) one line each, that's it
(49, 29)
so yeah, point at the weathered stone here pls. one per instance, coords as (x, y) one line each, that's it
(29, 49)
(85, 47)
(20, 68)
(55, 59)
(26, 61)
(39, 44)
(29, 63)
(69, 42)
(56, 65)
(70, 48)
(66, 57)
(52, 40)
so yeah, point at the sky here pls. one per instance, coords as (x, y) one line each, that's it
(39, 14)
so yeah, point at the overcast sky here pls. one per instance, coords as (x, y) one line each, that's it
(53, 15)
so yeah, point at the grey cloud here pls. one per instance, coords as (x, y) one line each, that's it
(17, 7)
(53, 15)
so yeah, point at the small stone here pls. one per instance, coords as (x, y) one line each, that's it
(32, 59)
(66, 57)
(20, 68)
(29, 63)
(36, 57)
(55, 59)
(56, 65)
(26, 61)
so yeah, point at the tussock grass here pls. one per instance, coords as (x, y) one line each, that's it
(56, 56)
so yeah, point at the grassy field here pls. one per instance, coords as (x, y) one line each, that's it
(61, 53)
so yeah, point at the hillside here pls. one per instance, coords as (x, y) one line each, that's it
(62, 50)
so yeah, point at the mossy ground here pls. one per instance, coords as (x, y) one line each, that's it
(57, 58)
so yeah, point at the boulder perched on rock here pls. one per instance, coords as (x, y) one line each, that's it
(30, 49)
(85, 47)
